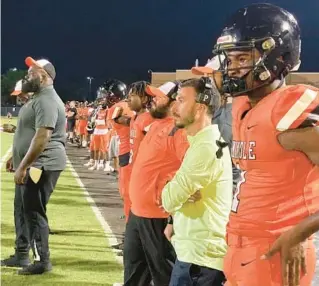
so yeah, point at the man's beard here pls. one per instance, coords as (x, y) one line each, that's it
(188, 121)
(160, 112)
(185, 122)
(31, 85)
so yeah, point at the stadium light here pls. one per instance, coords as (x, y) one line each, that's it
(89, 78)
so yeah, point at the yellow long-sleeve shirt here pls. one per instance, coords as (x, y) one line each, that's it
(200, 227)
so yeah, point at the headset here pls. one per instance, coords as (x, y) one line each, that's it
(210, 90)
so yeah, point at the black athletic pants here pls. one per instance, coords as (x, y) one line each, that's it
(22, 236)
(148, 255)
(35, 200)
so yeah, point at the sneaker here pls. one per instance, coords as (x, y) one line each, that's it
(108, 169)
(118, 284)
(100, 166)
(36, 268)
(94, 167)
(16, 260)
(89, 164)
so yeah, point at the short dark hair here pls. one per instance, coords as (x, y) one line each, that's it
(200, 86)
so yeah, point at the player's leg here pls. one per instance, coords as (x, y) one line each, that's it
(124, 182)
(91, 147)
(102, 152)
(96, 142)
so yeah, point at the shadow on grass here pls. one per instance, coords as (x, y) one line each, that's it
(76, 203)
(74, 264)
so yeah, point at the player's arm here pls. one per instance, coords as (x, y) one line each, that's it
(296, 235)
(123, 120)
(296, 116)
(116, 114)
(193, 175)
(304, 140)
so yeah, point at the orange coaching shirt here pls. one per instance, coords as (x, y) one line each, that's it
(160, 155)
(139, 126)
(122, 131)
(279, 188)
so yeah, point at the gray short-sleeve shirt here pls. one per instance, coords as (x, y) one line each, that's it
(44, 109)
(223, 118)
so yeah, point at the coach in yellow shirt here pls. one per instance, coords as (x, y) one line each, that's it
(199, 196)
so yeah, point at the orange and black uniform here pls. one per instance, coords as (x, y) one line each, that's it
(123, 133)
(146, 250)
(83, 114)
(279, 188)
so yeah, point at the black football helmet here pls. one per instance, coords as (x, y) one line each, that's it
(111, 92)
(273, 31)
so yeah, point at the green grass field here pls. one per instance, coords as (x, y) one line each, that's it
(79, 251)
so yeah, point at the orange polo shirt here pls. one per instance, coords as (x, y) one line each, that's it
(160, 155)
(122, 131)
(139, 126)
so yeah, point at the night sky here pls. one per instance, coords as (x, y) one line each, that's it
(124, 39)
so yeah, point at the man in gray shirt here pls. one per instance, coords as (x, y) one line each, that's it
(38, 157)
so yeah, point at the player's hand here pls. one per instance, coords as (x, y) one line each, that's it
(169, 231)
(195, 197)
(19, 176)
(292, 258)
(9, 165)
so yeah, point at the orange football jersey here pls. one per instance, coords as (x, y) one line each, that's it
(279, 188)
(139, 126)
(122, 131)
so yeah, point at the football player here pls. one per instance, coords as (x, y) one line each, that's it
(109, 94)
(120, 109)
(276, 135)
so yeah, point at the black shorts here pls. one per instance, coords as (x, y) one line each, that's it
(70, 125)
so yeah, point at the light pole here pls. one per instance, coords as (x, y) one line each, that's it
(149, 72)
(89, 78)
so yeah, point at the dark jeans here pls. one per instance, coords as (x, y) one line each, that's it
(22, 236)
(188, 274)
(35, 200)
(148, 255)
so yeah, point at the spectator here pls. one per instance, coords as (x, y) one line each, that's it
(39, 156)
(200, 194)
(147, 253)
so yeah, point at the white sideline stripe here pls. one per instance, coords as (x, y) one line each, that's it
(5, 157)
(107, 229)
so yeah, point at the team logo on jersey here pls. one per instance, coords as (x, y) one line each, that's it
(243, 150)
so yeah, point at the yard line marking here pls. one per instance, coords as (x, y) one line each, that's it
(107, 229)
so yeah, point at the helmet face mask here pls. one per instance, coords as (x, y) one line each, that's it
(111, 92)
(270, 35)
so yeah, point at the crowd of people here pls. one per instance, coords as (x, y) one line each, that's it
(208, 183)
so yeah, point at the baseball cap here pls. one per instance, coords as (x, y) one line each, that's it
(43, 64)
(168, 89)
(212, 65)
(17, 88)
